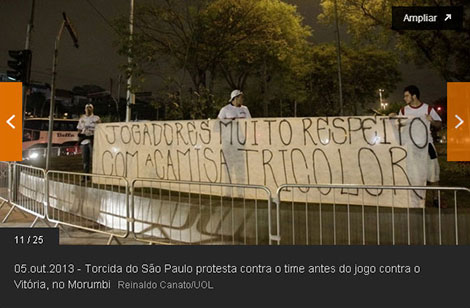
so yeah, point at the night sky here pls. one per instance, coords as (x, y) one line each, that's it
(96, 61)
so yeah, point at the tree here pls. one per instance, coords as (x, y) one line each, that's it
(370, 21)
(276, 49)
(365, 70)
(270, 36)
(233, 38)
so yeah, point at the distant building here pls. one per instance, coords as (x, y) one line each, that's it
(44, 89)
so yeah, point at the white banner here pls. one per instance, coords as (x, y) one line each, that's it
(274, 151)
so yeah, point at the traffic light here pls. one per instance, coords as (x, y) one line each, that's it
(21, 65)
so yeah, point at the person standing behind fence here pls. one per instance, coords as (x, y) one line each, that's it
(235, 108)
(415, 108)
(86, 131)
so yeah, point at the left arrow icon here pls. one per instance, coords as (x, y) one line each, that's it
(9, 121)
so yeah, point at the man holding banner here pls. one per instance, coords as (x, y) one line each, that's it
(415, 108)
(86, 131)
(235, 108)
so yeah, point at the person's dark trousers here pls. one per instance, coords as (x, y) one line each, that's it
(87, 150)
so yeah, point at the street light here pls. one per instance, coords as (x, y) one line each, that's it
(65, 24)
(382, 105)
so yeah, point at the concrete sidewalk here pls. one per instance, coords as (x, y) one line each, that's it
(68, 235)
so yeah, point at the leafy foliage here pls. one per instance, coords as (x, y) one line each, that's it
(365, 70)
(259, 46)
(370, 21)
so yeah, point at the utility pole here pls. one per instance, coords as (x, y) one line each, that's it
(111, 87)
(27, 46)
(338, 51)
(29, 29)
(111, 93)
(119, 97)
(130, 99)
(65, 23)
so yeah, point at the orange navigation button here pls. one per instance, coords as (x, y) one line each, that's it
(458, 121)
(11, 121)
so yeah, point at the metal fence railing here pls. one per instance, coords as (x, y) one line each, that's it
(186, 212)
(92, 202)
(309, 222)
(182, 212)
(4, 182)
(27, 191)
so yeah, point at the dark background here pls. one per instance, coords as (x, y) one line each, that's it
(96, 61)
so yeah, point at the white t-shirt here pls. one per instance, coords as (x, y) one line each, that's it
(421, 111)
(87, 124)
(232, 112)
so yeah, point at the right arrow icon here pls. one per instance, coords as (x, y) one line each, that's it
(461, 121)
(448, 16)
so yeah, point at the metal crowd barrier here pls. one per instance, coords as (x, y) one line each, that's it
(92, 202)
(27, 191)
(321, 223)
(4, 182)
(183, 212)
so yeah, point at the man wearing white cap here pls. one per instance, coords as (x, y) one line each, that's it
(235, 108)
(86, 131)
